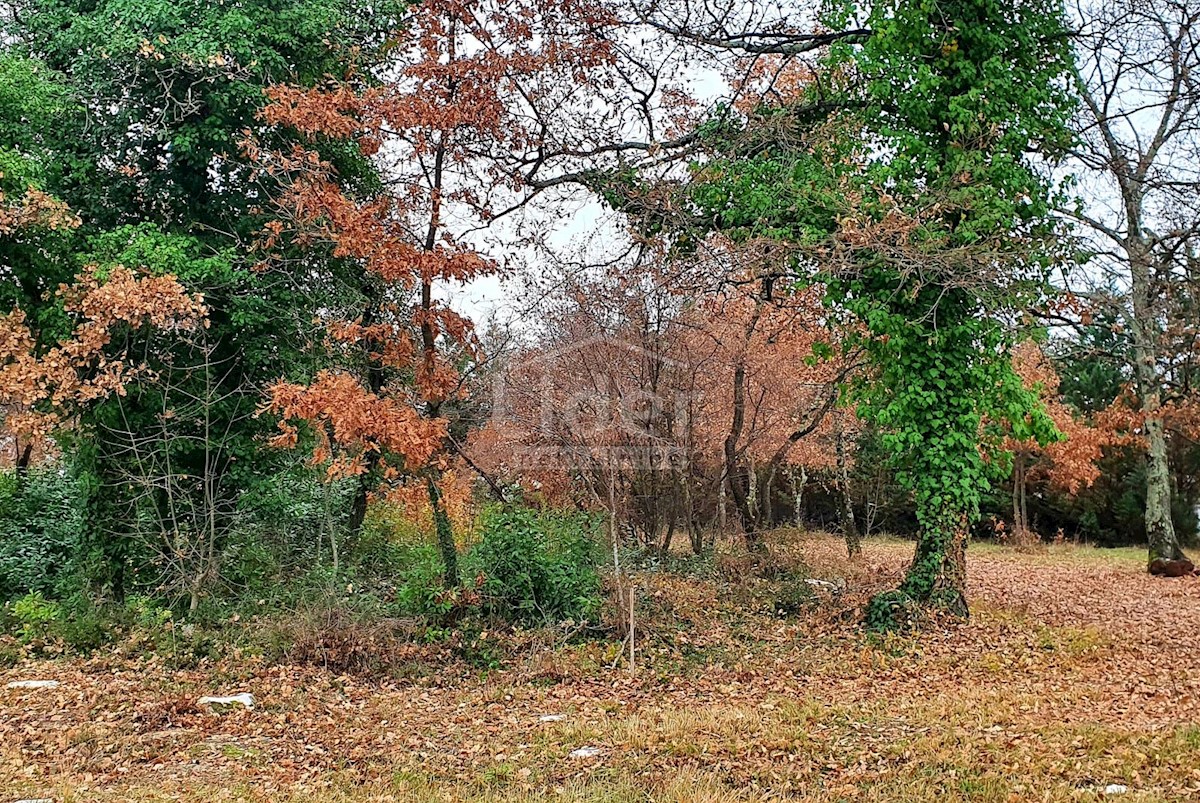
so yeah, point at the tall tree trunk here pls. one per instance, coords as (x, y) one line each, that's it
(445, 535)
(766, 503)
(1160, 529)
(1022, 531)
(739, 480)
(798, 495)
(358, 505)
(938, 573)
(849, 525)
(1018, 520)
(722, 504)
(368, 480)
(1026, 527)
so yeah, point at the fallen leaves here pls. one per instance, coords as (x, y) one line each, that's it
(1074, 673)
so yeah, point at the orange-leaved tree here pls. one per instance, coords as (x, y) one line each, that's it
(46, 380)
(452, 123)
(1067, 465)
(639, 399)
(43, 386)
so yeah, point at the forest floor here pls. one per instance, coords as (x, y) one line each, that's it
(1076, 674)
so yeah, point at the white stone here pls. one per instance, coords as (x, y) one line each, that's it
(585, 752)
(552, 718)
(32, 684)
(245, 698)
(1116, 789)
(828, 585)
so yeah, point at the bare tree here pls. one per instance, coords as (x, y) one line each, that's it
(174, 475)
(1137, 73)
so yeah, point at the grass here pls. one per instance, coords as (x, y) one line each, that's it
(1061, 684)
(1065, 553)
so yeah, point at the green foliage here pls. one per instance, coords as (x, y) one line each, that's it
(32, 101)
(538, 567)
(41, 523)
(1093, 367)
(960, 92)
(35, 617)
(926, 154)
(208, 64)
(156, 171)
(37, 114)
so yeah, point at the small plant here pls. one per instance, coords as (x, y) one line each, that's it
(795, 596)
(36, 617)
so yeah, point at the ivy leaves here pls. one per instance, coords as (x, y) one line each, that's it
(916, 206)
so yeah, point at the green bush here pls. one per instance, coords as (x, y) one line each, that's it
(35, 618)
(83, 626)
(41, 522)
(419, 587)
(538, 568)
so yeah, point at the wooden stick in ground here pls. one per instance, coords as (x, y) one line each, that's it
(631, 624)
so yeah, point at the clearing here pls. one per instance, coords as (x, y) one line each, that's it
(1076, 674)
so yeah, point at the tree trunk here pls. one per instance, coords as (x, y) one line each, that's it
(445, 536)
(798, 496)
(937, 576)
(358, 506)
(1022, 534)
(24, 457)
(1018, 521)
(849, 525)
(753, 497)
(367, 481)
(722, 505)
(739, 480)
(1160, 529)
(766, 504)
(695, 532)
(938, 573)
(1026, 527)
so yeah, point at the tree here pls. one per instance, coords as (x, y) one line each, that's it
(1136, 73)
(35, 226)
(154, 99)
(1067, 465)
(959, 191)
(660, 391)
(901, 179)
(43, 389)
(451, 130)
(775, 388)
(595, 407)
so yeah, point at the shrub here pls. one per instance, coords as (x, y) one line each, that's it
(420, 590)
(341, 636)
(538, 568)
(35, 618)
(41, 522)
(83, 626)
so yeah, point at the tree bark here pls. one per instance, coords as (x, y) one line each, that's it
(445, 536)
(722, 504)
(849, 525)
(938, 573)
(1160, 529)
(798, 496)
(736, 477)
